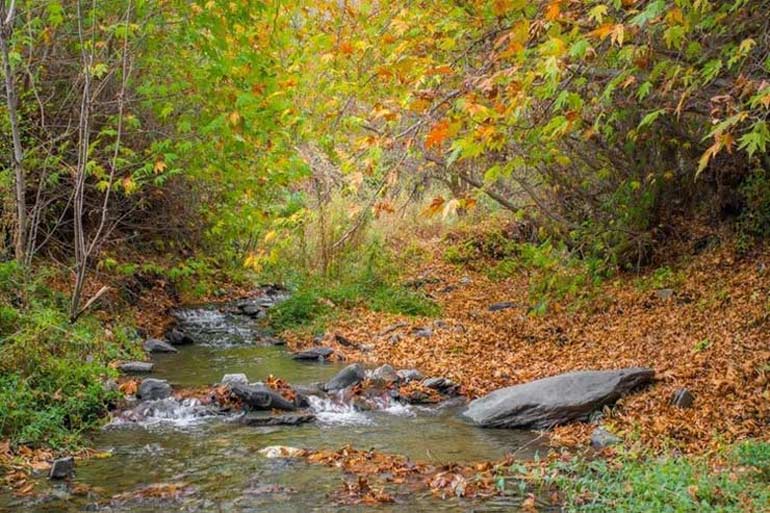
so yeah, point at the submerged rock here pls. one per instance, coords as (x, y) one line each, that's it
(260, 397)
(152, 389)
(136, 367)
(281, 451)
(153, 345)
(549, 402)
(289, 419)
(602, 438)
(314, 353)
(62, 468)
(350, 375)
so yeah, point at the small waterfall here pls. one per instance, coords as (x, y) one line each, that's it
(169, 411)
(337, 409)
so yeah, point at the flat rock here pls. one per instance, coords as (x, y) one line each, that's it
(62, 468)
(314, 354)
(443, 385)
(151, 389)
(232, 379)
(408, 375)
(136, 367)
(350, 375)
(260, 397)
(549, 402)
(154, 345)
(289, 419)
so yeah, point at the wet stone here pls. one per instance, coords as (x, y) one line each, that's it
(178, 337)
(154, 345)
(153, 389)
(62, 468)
(350, 375)
(232, 379)
(136, 367)
(408, 375)
(289, 419)
(315, 353)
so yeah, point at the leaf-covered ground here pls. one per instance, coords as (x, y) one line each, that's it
(710, 336)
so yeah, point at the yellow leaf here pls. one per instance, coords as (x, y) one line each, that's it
(234, 118)
(129, 185)
(270, 236)
(435, 206)
(159, 166)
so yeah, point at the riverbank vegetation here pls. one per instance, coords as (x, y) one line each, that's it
(596, 169)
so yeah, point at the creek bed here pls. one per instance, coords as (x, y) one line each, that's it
(217, 458)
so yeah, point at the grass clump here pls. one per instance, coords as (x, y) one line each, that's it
(679, 484)
(371, 281)
(52, 373)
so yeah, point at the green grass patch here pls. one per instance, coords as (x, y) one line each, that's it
(739, 484)
(371, 280)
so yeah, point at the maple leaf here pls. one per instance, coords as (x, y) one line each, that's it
(553, 11)
(435, 206)
(437, 134)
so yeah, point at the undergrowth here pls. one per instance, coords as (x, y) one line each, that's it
(52, 373)
(738, 481)
(369, 279)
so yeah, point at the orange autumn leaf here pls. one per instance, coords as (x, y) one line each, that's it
(437, 134)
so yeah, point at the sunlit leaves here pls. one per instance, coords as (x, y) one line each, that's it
(437, 134)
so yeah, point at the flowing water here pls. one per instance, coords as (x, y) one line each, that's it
(215, 459)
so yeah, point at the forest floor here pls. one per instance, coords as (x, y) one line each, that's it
(702, 325)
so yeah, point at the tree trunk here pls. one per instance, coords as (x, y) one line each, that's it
(20, 231)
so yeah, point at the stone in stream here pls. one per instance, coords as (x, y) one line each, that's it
(260, 397)
(177, 337)
(289, 419)
(549, 402)
(152, 389)
(350, 375)
(232, 379)
(602, 438)
(136, 367)
(443, 385)
(62, 468)
(153, 345)
(384, 374)
(682, 398)
(314, 354)
(407, 375)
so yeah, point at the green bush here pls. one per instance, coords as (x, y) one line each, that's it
(754, 220)
(52, 372)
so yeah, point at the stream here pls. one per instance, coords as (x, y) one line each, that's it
(217, 459)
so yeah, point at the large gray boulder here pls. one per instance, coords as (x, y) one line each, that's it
(549, 402)
(153, 389)
(350, 375)
(260, 397)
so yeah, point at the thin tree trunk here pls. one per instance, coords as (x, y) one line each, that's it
(6, 29)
